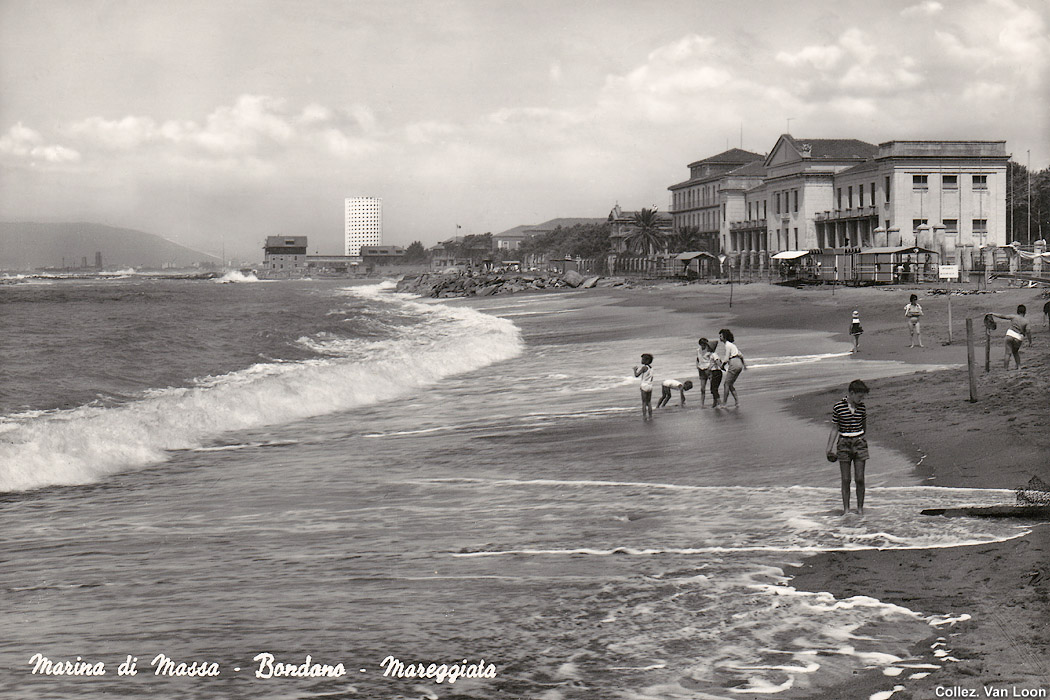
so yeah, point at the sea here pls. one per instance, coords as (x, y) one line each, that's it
(233, 488)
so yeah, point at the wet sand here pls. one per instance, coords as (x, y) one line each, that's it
(999, 441)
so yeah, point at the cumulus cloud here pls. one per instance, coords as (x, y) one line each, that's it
(28, 144)
(923, 9)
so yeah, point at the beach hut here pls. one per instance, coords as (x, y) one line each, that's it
(881, 264)
(835, 264)
(693, 263)
(794, 264)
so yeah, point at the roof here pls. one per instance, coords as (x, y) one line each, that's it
(695, 254)
(563, 222)
(898, 249)
(859, 168)
(753, 169)
(286, 241)
(790, 254)
(833, 149)
(733, 155)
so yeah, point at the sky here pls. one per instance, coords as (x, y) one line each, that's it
(216, 124)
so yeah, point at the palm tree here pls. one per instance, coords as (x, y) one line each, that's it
(687, 238)
(648, 235)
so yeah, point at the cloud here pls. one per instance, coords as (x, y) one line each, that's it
(25, 143)
(820, 57)
(929, 8)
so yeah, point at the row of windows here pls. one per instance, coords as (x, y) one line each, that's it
(948, 182)
(787, 201)
(951, 225)
(703, 196)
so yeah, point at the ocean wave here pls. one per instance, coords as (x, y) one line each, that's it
(84, 444)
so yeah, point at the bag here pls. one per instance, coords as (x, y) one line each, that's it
(833, 447)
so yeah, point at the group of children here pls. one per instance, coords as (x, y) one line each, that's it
(714, 361)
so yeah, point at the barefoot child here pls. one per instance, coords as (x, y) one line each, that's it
(645, 371)
(855, 330)
(708, 367)
(913, 312)
(847, 443)
(670, 384)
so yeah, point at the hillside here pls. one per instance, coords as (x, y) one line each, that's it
(28, 246)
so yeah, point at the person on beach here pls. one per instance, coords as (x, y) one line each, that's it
(847, 444)
(1046, 313)
(645, 371)
(855, 330)
(671, 384)
(913, 312)
(708, 367)
(1017, 332)
(733, 362)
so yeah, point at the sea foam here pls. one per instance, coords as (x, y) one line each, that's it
(83, 444)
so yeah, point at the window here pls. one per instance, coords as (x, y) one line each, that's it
(838, 198)
(796, 200)
(860, 197)
(776, 203)
(796, 238)
(887, 189)
(873, 194)
(950, 182)
(980, 182)
(920, 182)
(916, 223)
(849, 196)
(980, 226)
(951, 226)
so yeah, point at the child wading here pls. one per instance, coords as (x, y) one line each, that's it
(671, 384)
(847, 443)
(645, 371)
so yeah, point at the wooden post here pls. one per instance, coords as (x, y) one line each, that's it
(987, 349)
(970, 366)
(949, 312)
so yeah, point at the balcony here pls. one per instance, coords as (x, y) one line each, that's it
(749, 225)
(847, 214)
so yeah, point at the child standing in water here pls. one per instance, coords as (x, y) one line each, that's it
(708, 367)
(846, 442)
(913, 312)
(733, 362)
(645, 371)
(855, 330)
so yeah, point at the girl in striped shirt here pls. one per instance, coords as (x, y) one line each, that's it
(847, 443)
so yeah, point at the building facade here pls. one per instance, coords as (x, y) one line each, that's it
(285, 255)
(363, 222)
(808, 194)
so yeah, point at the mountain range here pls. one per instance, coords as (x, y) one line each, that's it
(27, 246)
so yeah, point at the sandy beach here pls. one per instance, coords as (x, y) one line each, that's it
(1000, 441)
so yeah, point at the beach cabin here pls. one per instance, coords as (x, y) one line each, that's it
(696, 263)
(794, 264)
(896, 264)
(835, 264)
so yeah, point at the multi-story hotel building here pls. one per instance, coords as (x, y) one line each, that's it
(363, 219)
(945, 196)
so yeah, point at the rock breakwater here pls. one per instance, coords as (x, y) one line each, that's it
(464, 284)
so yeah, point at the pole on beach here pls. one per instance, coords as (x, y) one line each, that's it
(950, 312)
(987, 349)
(970, 364)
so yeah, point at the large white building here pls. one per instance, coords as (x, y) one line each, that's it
(363, 220)
(809, 194)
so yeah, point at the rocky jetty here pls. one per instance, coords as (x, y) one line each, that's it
(465, 284)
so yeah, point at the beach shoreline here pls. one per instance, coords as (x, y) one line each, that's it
(997, 442)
